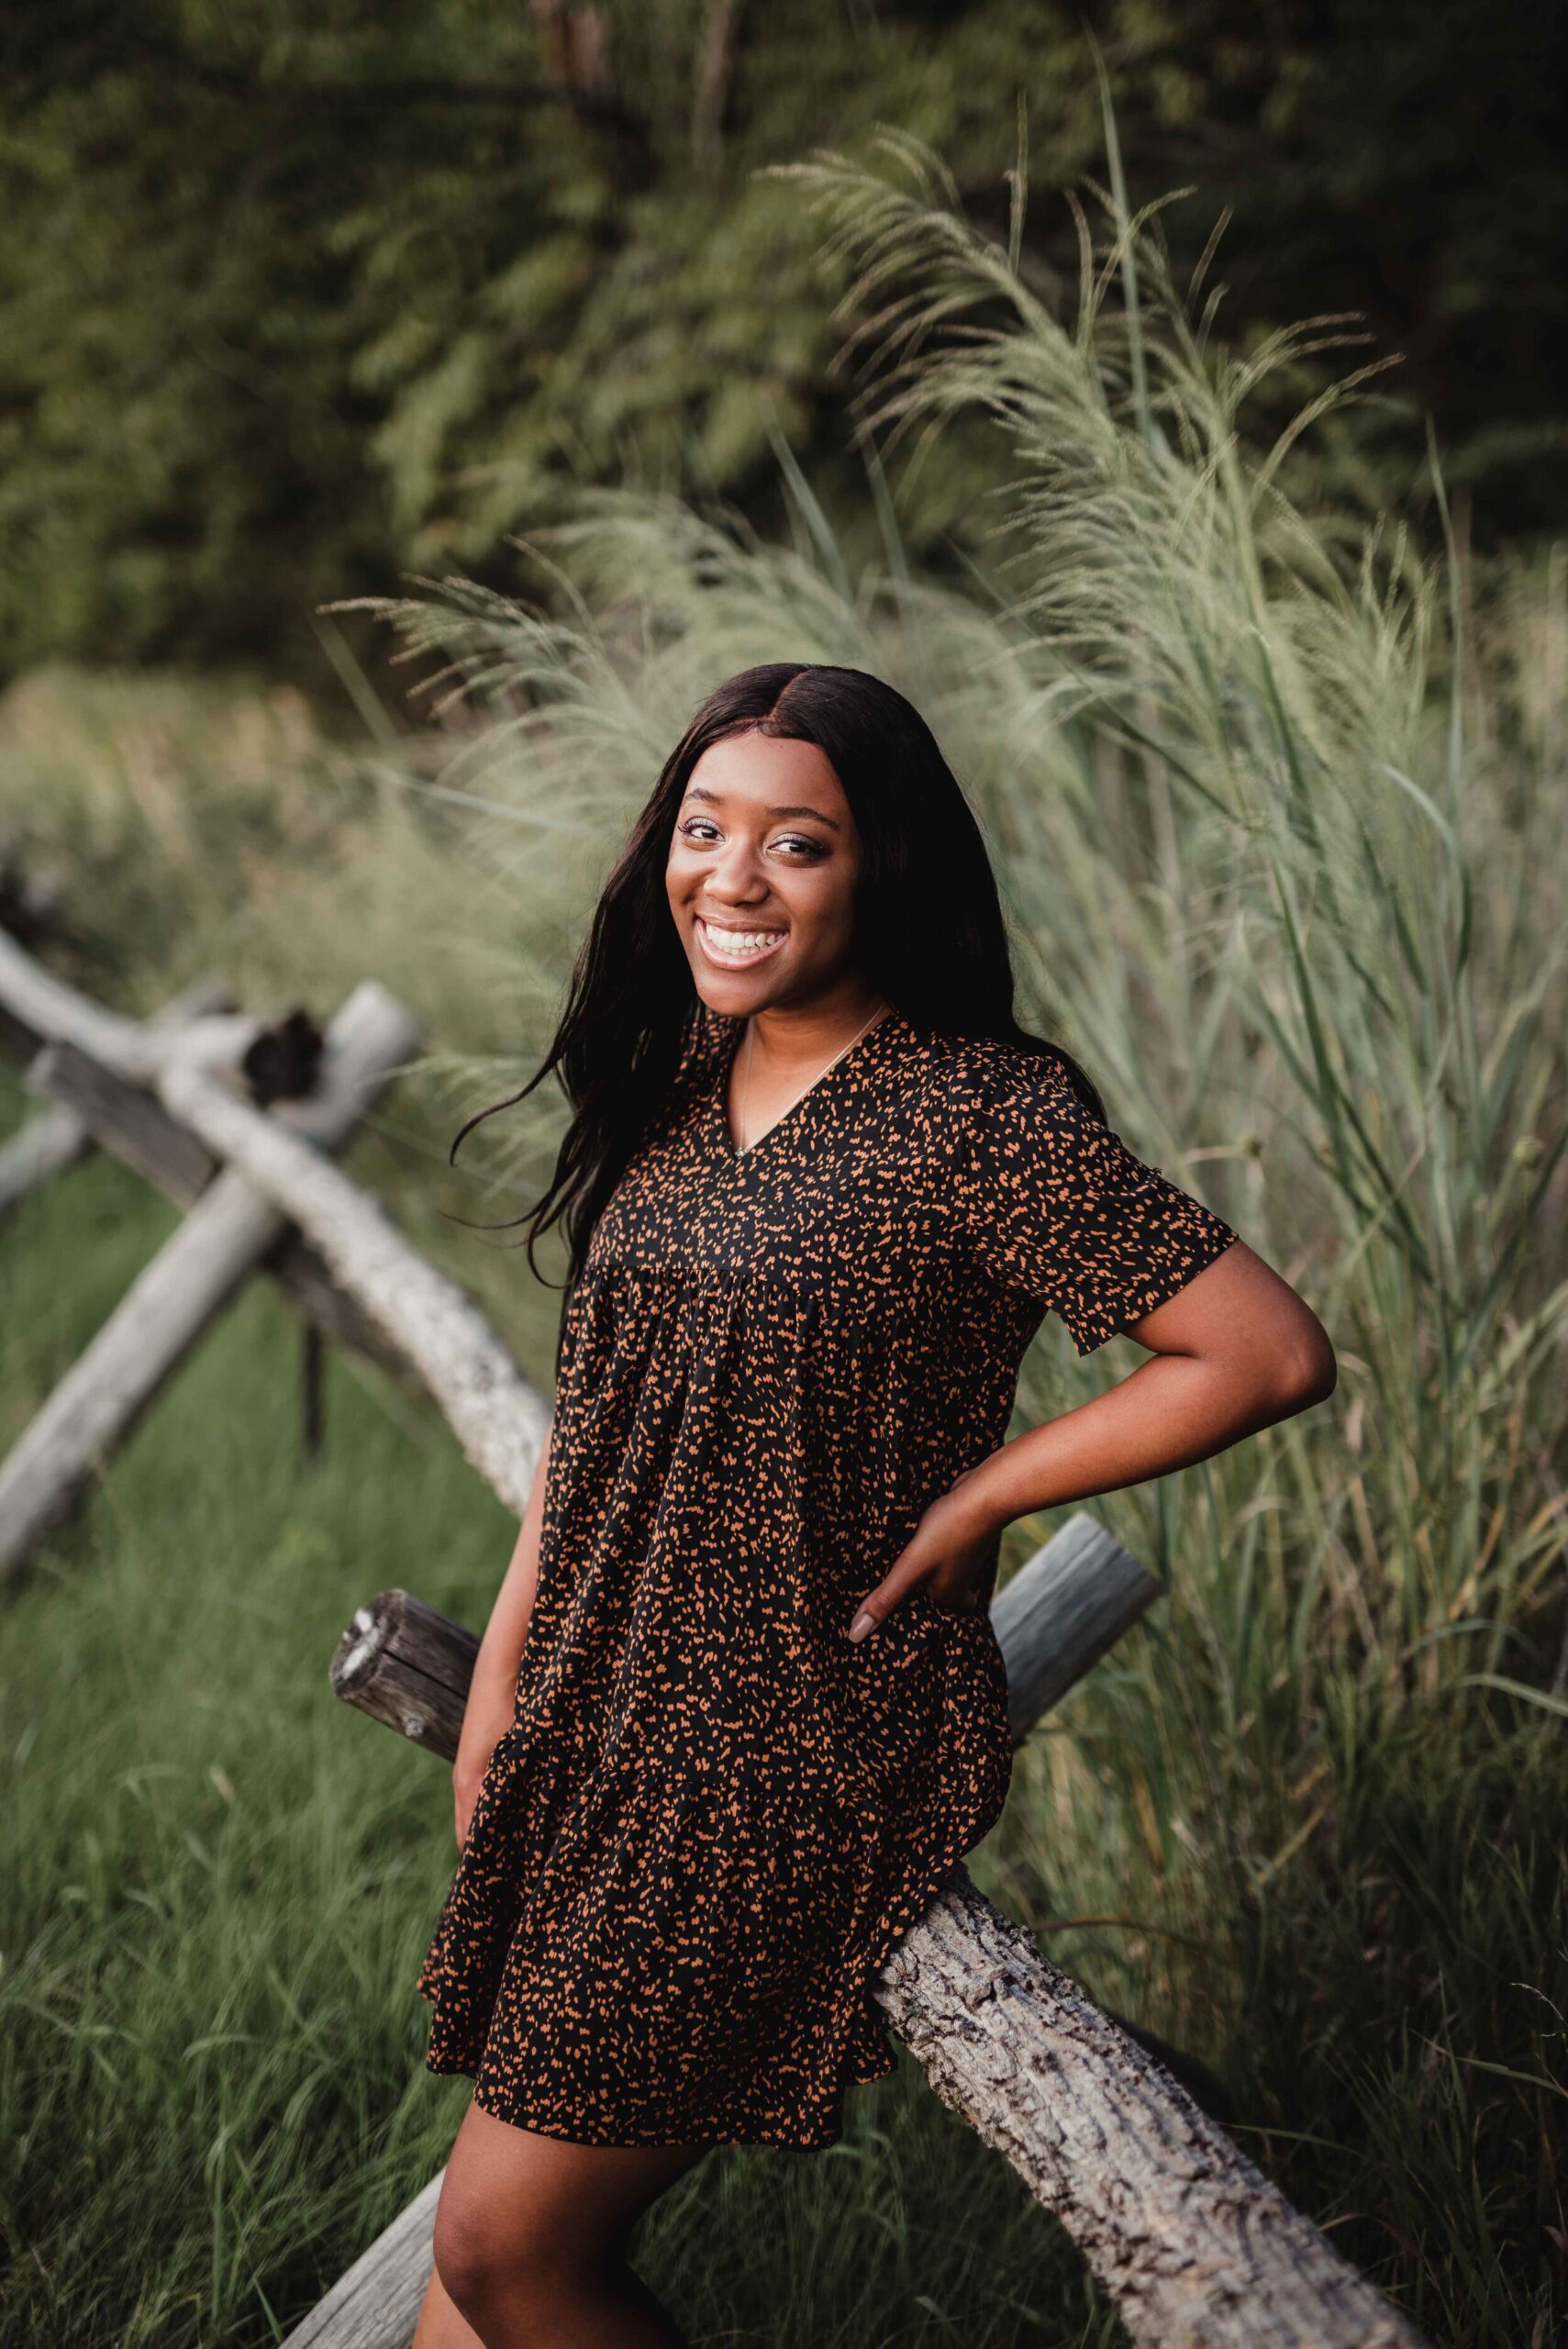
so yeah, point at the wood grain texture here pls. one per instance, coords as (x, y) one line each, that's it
(1057, 1616)
(1196, 2246)
(376, 2304)
(407, 1666)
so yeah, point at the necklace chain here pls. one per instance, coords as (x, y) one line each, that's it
(741, 1148)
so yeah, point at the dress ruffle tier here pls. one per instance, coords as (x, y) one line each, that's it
(730, 1924)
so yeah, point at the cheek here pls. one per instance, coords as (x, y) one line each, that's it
(830, 897)
(820, 907)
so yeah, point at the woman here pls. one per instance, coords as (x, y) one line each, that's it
(740, 1706)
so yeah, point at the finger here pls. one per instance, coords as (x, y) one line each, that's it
(957, 1598)
(879, 1604)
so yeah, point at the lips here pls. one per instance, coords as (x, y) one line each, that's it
(734, 948)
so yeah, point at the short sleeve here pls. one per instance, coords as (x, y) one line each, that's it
(1056, 1204)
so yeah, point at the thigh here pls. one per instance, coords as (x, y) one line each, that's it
(517, 2195)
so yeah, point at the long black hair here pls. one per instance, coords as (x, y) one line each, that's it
(929, 933)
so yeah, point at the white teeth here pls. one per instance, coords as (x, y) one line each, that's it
(737, 945)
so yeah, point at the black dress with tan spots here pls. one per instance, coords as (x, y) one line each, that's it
(713, 1813)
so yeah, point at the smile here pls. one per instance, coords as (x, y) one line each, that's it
(737, 949)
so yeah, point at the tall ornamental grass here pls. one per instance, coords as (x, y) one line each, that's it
(1275, 818)
(1275, 799)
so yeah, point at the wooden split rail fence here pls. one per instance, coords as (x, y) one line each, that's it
(1196, 2247)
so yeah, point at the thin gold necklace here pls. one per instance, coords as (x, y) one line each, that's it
(742, 1147)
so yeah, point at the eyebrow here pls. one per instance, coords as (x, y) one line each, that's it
(695, 791)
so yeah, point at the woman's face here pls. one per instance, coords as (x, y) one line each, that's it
(761, 871)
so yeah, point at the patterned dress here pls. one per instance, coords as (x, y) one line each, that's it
(714, 1814)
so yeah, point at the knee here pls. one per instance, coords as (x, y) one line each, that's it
(468, 2254)
(487, 2267)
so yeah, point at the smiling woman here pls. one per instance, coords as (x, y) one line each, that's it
(740, 1707)
(761, 877)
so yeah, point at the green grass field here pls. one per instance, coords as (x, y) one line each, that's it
(220, 1882)
(1277, 807)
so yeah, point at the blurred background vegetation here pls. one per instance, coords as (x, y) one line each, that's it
(292, 295)
(1265, 715)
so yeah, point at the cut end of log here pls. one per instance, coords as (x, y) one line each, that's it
(361, 1648)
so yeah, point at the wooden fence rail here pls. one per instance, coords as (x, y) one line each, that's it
(224, 1236)
(57, 1136)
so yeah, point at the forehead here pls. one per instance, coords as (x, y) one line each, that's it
(767, 771)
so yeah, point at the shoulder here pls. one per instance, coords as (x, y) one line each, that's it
(977, 1076)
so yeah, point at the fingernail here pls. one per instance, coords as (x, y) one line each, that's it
(862, 1624)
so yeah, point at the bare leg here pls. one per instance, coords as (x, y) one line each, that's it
(530, 2242)
(440, 2325)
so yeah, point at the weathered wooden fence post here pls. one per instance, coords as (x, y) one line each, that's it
(56, 1136)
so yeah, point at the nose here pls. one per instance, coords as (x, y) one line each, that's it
(735, 876)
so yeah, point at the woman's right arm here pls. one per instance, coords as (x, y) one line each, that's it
(492, 1694)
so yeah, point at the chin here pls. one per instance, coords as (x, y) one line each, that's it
(732, 997)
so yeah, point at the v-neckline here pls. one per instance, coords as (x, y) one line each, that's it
(719, 1104)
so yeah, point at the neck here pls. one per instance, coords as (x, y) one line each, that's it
(786, 1037)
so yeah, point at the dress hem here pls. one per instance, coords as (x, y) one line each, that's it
(909, 1912)
(577, 2134)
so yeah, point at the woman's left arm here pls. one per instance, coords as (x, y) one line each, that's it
(1233, 1350)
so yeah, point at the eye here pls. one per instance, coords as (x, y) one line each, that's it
(703, 830)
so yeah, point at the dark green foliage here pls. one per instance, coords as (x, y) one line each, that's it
(293, 298)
